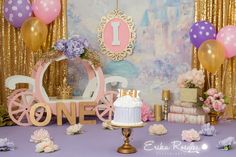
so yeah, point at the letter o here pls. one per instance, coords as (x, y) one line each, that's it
(48, 117)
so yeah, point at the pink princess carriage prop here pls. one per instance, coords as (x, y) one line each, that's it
(21, 100)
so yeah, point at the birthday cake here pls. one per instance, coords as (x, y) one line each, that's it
(127, 111)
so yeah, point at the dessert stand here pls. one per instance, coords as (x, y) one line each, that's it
(126, 131)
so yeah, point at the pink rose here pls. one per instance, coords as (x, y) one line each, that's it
(211, 91)
(208, 101)
(212, 99)
(216, 96)
(146, 113)
(218, 106)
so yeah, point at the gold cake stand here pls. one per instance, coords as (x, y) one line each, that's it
(126, 131)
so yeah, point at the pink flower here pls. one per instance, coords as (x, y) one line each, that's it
(211, 91)
(146, 113)
(218, 106)
(216, 96)
(208, 101)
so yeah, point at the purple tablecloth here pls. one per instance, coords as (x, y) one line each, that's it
(103, 143)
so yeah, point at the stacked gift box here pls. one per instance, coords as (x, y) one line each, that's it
(186, 111)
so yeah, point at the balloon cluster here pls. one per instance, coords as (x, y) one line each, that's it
(33, 29)
(213, 48)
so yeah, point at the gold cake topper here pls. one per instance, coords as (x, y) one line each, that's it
(131, 92)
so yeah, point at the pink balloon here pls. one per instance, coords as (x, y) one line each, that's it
(46, 10)
(227, 36)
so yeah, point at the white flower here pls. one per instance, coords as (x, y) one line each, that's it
(39, 136)
(74, 129)
(46, 146)
(190, 135)
(206, 109)
(192, 79)
(157, 129)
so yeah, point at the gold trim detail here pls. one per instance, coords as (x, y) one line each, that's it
(117, 56)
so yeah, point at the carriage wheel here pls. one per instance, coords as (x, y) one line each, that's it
(105, 109)
(14, 93)
(19, 107)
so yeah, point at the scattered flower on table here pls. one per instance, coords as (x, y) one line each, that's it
(226, 144)
(6, 145)
(74, 129)
(191, 79)
(157, 129)
(207, 130)
(146, 113)
(190, 135)
(213, 101)
(107, 125)
(46, 146)
(39, 136)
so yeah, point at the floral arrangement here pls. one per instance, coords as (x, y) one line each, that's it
(6, 145)
(226, 144)
(213, 100)
(46, 146)
(77, 46)
(74, 47)
(191, 79)
(44, 142)
(157, 129)
(207, 130)
(39, 136)
(74, 129)
(146, 113)
(190, 135)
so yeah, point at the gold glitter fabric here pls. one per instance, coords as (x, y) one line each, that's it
(16, 59)
(221, 13)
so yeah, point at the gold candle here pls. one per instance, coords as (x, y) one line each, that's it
(165, 95)
(165, 98)
(158, 112)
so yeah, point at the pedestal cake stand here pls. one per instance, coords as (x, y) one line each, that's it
(126, 131)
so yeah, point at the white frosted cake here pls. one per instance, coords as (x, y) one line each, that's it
(127, 111)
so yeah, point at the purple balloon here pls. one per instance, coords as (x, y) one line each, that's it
(202, 31)
(17, 11)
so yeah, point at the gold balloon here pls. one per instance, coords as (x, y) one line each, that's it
(211, 55)
(34, 33)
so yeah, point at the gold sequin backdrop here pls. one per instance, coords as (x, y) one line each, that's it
(221, 13)
(16, 59)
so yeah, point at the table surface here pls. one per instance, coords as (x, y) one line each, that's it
(95, 141)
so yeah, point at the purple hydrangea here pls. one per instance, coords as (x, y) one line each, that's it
(60, 45)
(74, 47)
